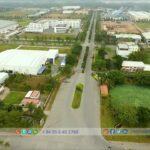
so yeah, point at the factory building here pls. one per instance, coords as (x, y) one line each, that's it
(73, 23)
(37, 27)
(7, 26)
(126, 48)
(135, 37)
(139, 15)
(146, 36)
(71, 7)
(133, 66)
(60, 28)
(68, 11)
(55, 24)
(30, 62)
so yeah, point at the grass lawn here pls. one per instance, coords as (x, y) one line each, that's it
(23, 22)
(121, 95)
(64, 49)
(14, 98)
(133, 95)
(45, 36)
(147, 56)
(77, 96)
(4, 47)
(143, 25)
(111, 51)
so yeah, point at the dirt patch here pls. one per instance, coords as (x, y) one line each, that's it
(119, 27)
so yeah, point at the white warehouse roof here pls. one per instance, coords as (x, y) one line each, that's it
(133, 64)
(146, 35)
(126, 48)
(71, 7)
(6, 23)
(132, 36)
(3, 77)
(147, 67)
(140, 15)
(25, 61)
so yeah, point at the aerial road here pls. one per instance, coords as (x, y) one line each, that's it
(62, 116)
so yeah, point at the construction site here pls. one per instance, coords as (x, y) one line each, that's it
(113, 27)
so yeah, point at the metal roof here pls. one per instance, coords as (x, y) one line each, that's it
(6, 23)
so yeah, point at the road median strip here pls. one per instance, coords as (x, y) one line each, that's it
(77, 96)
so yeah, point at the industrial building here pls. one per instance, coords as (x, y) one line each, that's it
(116, 15)
(3, 77)
(55, 24)
(68, 11)
(82, 12)
(126, 48)
(7, 26)
(73, 23)
(62, 58)
(32, 97)
(146, 36)
(71, 7)
(139, 15)
(30, 62)
(136, 38)
(37, 27)
(133, 66)
(60, 28)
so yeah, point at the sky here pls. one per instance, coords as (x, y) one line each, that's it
(73, 1)
(69, 2)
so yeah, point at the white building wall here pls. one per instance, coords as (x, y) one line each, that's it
(70, 23)
(37, 27)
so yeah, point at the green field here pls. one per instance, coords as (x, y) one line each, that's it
(7, 46)
(23, 22)
(77, 96)
(65, 49)
(14, 98)
(44, 36)
(131, 95)
(147, 57)
(143, 25)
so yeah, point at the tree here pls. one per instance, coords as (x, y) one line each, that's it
(126, 115)
(71, 59)
(137, 56)
(31, 107)
(143, 116)
(118, 61)
(38, 115)
(99, 64)
(112, 78)
(66, 70)
(76, 49)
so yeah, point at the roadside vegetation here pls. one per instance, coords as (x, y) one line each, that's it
(20, 82)
(15, 117)
(86, 23)
(105, 59)
(143, 25)
(127, 104)
(72, 59)
(4, 46)
(102, 36)
(77, 96)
